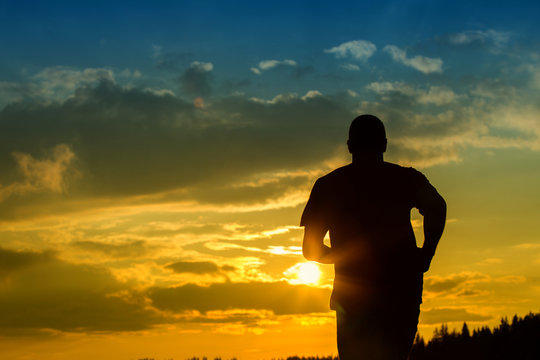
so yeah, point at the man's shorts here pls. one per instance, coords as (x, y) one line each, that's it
(385, 333)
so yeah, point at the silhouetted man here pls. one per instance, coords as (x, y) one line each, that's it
(379, 269)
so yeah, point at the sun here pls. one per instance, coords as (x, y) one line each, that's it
(304, 273)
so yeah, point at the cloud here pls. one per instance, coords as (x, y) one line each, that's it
(434, 95)
(278, 297)
(448, 283)
(48, 174)
(288, 97)
(52, 84)
(356, 49)
(11, 261)
(194, 267)
(270, 64)
(128, 73)
(421, 63)
(528, 246)
(446, 315)
(129, 249)
(202, 66)
(196, 80)
(131, 142)
(44, 292)
(350, 67)
(59, 82)
(498, 38)
(14, 91)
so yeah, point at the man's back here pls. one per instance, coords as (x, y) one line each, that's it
(367, 212)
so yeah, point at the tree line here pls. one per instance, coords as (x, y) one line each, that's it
(518, 339)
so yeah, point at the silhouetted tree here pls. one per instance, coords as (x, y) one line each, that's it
(465, 334)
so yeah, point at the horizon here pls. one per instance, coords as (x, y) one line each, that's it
(156, 161)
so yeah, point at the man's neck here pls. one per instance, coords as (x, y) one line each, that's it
(367, 158)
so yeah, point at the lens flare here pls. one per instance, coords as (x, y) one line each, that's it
(303, 273)
(198, 103)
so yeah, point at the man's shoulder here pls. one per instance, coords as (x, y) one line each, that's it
(409, 176)
(335, 175)
(404, 170)
(345, 171)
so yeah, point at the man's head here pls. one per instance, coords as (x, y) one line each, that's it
(367, 135)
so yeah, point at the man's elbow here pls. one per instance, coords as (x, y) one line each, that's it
(442, 206)
(437, 208)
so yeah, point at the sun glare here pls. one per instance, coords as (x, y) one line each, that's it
(304, 273)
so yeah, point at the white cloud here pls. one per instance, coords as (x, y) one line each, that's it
(435, 95)
(288, 97)
(130, 73)
(280, 98)
(356, 49)
(159, 92)
(58, 83)
(70, 78)
(202, 66)
(311, 94)
(499, 38)
(386, 87)
(351, 67)
(270, 64)
(421, 63)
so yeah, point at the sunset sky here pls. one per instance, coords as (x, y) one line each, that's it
(155, 158)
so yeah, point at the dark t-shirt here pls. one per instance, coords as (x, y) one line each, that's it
(367, 212)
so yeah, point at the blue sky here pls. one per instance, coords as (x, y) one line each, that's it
(236, 35)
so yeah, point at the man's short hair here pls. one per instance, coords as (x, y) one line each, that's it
(367, 133)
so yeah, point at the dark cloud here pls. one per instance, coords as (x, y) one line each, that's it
(250, 318)
(279, 297)
(229, 268)
(130, 141)
(446, 315)
(194, 267)
(442, 284)
(449, 283)
(53, 294)
(199, 267)
(11, 261)
(130, 249)
(197, 80)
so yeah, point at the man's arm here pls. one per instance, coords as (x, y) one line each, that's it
(434, 211)
(313, 247)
